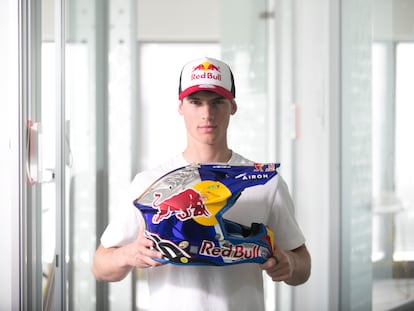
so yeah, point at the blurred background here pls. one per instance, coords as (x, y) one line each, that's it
(88, 94)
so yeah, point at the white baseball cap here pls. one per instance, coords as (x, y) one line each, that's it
(206, 74)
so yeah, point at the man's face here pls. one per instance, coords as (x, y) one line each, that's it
(206, 116)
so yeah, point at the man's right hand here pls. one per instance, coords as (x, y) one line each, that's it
(114, 263)
(141, 252)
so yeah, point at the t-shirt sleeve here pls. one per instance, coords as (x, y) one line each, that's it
(287, 232)
(123, 229)
(124, 226)
(127, 219)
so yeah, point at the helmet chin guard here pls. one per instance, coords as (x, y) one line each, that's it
(184, 209)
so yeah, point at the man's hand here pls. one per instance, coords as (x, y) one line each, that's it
(279, 267)
(140, 253)
(114, 263)
(291, 267)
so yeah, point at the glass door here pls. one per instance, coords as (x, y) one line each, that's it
(393, 201)
(96, 122)
(244, 39)
(69, 148)
(70, 89)
(248, 42)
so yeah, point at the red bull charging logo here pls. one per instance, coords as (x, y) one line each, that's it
(207, 69)
(184, 205)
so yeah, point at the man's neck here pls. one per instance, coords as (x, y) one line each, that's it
(207, 155)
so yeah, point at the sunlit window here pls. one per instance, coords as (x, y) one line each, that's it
(404, 152)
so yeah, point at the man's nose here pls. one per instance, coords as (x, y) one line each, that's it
(208, 111)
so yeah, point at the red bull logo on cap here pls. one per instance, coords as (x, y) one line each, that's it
(207, 73)
(184, 205)
(206, 66)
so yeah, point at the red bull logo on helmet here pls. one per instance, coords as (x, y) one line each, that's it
(184, 205)
(207, 69)
(233, 252)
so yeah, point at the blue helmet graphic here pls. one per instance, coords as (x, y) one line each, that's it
(183, 212)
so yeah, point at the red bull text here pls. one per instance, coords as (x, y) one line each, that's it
(235, 252)
(207, 74)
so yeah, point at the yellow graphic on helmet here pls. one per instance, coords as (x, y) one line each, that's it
(214, 195)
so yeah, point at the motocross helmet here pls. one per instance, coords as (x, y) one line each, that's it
(184, 209)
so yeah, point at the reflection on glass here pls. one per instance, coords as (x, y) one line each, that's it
(393, 210)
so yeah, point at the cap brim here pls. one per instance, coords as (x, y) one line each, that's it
(203, 87)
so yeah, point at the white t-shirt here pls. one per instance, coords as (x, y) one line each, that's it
(234, 287)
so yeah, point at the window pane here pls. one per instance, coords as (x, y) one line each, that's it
(404, 152)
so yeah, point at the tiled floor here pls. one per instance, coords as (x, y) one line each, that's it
(392, 293)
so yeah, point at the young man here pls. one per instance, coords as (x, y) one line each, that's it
(206, 102)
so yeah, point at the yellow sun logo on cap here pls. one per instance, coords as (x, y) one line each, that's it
(206, 66)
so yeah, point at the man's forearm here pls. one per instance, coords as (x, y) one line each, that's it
(108, 265)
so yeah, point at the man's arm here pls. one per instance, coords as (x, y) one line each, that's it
(109, 264)
(114, 263)
(293, 267)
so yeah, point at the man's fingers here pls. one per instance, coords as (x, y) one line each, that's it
(147, 245)
(276, 259)
(278, 266)
(142, 238)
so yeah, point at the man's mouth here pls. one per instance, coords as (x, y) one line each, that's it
(207, 127)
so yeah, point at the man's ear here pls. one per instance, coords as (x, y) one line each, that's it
(233, 107)
(180, 107)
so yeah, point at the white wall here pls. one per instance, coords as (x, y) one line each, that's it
(312, 188)
(332, 60)
(8, 156)
(178, 20)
